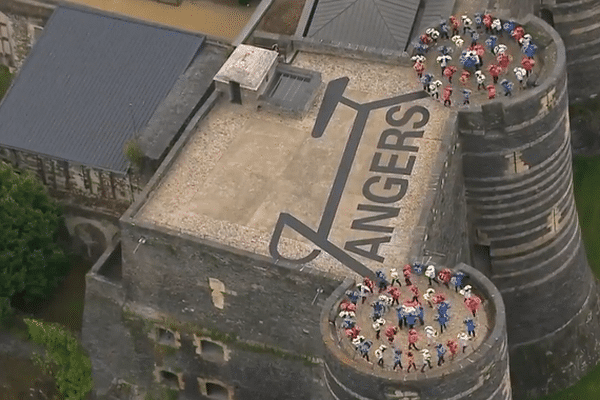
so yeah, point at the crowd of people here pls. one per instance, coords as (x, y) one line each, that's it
(491, 42)
(396, 307)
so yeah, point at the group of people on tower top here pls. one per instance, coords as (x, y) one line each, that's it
(410, 313)
(490, 39)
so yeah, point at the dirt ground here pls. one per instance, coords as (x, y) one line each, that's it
(282, 17)
(219, 18)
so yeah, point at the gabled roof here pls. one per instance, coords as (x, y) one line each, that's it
(89, 83)
(382, 24)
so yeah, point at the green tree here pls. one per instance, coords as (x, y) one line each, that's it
(6, 310)
(64, 359)
(31, 262)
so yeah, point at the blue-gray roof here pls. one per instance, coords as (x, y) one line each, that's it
(382, 24)
(89, 82)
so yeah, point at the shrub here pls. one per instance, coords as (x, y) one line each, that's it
(5, 80)
(64, 359)
(134, 153)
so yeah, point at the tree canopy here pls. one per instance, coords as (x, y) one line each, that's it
(31, 262)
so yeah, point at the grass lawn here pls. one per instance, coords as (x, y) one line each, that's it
(586, 177)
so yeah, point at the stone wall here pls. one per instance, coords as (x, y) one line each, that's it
(441, 233)
(518, 179)
(90, 185)
(30, 8)
(265, 316)
(577, 24)
(231, 292)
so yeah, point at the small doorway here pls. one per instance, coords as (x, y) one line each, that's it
(547, 16)
(235, 92)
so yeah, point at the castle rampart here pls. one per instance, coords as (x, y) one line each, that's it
(266, 317)
(186, 281)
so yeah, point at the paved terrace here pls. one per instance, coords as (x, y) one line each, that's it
(244, 167)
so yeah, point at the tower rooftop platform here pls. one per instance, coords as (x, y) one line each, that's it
(247, 175)
(512, 62)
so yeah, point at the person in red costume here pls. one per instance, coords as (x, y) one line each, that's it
(491, 91)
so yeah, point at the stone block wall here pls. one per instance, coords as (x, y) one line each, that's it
(265, 317)
(441, 233)
(577, 24)
(231, 292)
(518, 180)
(80, 181)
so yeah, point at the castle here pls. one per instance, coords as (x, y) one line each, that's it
(232, 259)
(295, 180)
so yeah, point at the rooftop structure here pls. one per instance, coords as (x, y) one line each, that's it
(247, 239)
(244, 168)
(381, 24)
(248, 66)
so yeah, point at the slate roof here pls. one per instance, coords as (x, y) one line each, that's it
(89, 82)
(383, 24)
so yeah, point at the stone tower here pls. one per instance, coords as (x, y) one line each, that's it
(524, 226)
(482, 374)
(577, 24)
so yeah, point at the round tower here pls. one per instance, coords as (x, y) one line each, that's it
(577, 24)
(524, 224)
(480, 370)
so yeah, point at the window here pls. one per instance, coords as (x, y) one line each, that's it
(167, 337)
(216, 391)
(211, 350)
(547, 16)
(169, 379)
(482, 259)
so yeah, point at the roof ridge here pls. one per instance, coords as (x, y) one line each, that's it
(375, 3)
(351, 4)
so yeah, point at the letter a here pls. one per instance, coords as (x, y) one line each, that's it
(373, 243)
